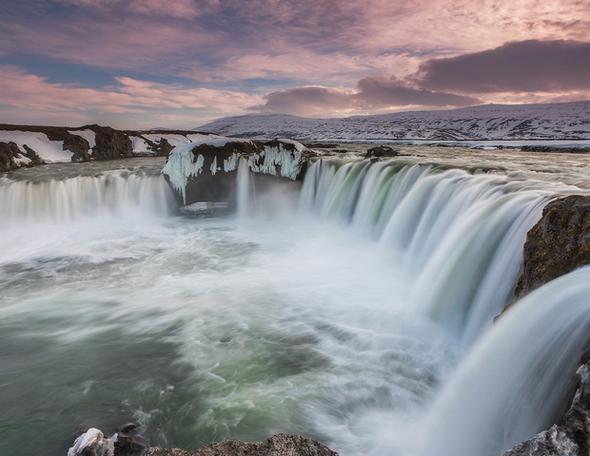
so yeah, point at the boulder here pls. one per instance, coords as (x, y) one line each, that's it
(557, 244)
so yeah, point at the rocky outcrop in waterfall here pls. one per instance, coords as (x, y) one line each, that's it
(205, 170)
(571, 437)
(557, 244)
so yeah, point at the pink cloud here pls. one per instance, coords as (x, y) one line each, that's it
(23, 91)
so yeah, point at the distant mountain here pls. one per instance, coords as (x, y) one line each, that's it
(511, 122)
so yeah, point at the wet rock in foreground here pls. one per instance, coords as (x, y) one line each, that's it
(571, 437)
(277, 445)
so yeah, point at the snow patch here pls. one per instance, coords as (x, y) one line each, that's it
(173, 140)
(88, 135)
(140, 145)
(47, 150)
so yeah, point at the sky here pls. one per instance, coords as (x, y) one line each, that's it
(181, 63)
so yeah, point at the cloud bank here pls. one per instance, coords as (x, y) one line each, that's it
(307, 57)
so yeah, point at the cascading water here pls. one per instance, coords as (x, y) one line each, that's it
(287, 323)
(245, 189)
(515, 381)
(64, 200)
(454, 234)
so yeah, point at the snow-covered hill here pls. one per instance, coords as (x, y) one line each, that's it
(495, 122)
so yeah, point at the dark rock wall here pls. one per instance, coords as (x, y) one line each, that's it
(557, 244)
(111, 144)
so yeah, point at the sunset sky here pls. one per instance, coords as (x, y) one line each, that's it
(180, 63)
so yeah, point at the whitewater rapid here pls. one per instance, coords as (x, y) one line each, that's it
(360, 314)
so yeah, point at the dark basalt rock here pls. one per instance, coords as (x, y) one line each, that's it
(163, 148)
(277, 445)
(111, 143)
(79, 146)
(9, 152)
(571, 437)
(381, 151)
(557, 244)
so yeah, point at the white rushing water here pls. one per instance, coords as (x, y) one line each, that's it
(457, 235)
(364, 318)
(517, 378)
(66, 200)
(245, 189)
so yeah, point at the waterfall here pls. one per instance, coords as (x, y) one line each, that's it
(516, 380)
(117, 193)
(456, 235)
(244, 189)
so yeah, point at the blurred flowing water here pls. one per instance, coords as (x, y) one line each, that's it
(342, 313)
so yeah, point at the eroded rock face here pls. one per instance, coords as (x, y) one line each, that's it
(277, 445)
(571, 437)
(557, 244)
